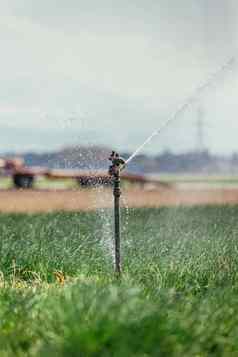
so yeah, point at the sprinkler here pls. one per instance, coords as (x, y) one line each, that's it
(117, 165)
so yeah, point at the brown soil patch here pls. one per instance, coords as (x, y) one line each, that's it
(86, 200)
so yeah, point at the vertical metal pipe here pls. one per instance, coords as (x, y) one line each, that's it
(118, 164)
(117, 232)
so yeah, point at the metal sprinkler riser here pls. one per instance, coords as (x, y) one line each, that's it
(115, 168)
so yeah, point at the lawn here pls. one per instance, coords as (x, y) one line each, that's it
(228, 179)
(178, 295)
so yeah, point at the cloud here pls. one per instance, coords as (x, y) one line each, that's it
(114, 65)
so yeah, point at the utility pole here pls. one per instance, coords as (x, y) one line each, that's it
(200, 132)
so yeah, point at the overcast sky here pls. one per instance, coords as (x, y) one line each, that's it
(110, 72)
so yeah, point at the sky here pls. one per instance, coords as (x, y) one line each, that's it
(111, 72)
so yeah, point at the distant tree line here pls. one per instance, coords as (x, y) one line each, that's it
(189, 162)
(91, 158)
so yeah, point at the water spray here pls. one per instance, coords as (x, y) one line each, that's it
(195, 95)
(117, 165)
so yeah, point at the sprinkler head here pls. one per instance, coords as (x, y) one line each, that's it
(118, 164)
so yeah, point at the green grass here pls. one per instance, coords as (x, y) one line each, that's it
(5, 183)
(43, 183)
(211, 179)
(55, 184)
(177, 297)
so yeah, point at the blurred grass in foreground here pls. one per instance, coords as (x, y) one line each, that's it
(177, 297)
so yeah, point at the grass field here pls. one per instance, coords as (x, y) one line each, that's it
(178, 295)
(198, 178)
(210, 180)
(42, 183)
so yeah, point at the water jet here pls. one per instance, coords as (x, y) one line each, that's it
(194, 96)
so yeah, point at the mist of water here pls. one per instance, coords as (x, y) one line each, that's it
(194, 97)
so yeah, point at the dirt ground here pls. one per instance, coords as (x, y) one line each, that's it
(86, 200)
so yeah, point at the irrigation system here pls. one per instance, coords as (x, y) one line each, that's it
(118, 163)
